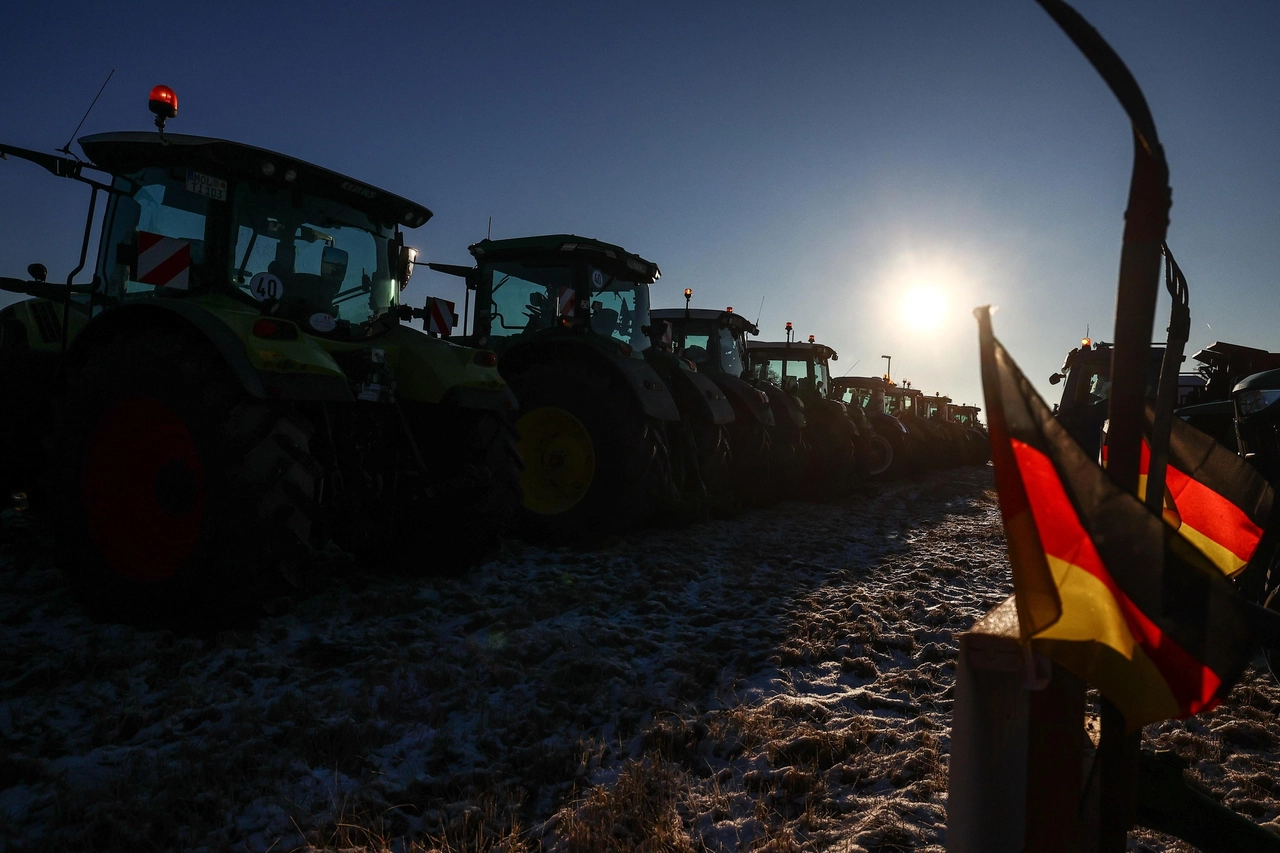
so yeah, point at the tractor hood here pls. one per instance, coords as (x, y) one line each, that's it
(122, 153)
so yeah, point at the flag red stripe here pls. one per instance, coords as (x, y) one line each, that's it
(1213, 515)
(1192, 683)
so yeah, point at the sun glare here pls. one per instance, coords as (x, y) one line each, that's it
(923, 307)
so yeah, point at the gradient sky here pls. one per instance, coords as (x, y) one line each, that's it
(822, 156)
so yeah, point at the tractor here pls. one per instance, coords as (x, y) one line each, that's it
(237, 387)
(937, 409)
(868, 394)
(927, 444)
(612, 432)
(766, 433)
(839, 450)
(980, 442)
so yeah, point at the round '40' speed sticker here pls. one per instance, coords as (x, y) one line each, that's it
(265, 285)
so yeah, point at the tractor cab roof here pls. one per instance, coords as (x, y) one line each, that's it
(798, 349)
(126, 152)
(871, 382)
(613, 260)
(736, 322)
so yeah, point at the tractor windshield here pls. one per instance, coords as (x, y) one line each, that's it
(896, 403)
(316, 261)
(860, 397)
(707, 344)
(768, 365)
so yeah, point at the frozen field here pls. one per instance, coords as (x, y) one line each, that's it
(781, 681)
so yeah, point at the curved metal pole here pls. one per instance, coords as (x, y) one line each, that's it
(1146, 221)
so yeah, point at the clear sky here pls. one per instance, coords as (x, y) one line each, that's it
(828, 158)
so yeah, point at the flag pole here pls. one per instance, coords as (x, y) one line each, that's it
(1146, 222)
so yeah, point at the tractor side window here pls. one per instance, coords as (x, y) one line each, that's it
(821, 378)
(696, 348)
(526, 299)
(619, 309)
(730, 353)
(156, 237)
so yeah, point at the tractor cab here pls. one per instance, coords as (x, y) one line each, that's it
(936, 407)
(966, 416)
(797, 367)
(561, 285)
(715, 341)
(864, 391)
(1086, 390)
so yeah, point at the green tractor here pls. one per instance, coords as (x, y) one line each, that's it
(237, 385)
(612, 431)
(839, 452)
(767, 439)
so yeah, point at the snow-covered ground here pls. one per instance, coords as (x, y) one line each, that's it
(781, 681)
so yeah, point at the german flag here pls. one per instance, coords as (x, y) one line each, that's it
(1102, 586)
(1215, 499)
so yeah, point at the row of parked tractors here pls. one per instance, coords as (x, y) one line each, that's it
(237, 386)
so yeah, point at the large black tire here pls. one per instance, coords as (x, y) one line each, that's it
(753, 461)
(474, 493)
(178, 499)
(595, 465)
(880, 456)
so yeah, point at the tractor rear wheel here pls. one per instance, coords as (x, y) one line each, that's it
(594, 464)
(178, 499)
(880, 455)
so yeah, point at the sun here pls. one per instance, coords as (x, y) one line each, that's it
(924, 306)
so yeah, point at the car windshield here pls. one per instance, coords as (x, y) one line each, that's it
(316, 261)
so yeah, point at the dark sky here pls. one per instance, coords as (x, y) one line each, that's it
(828, 158)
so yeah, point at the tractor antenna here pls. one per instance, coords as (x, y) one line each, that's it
(850, 370)
(489, 236)
(66, 149)
(761, 311)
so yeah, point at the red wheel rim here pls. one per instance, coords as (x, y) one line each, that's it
(143, 489)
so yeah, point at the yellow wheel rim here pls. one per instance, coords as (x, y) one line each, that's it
(559, 460)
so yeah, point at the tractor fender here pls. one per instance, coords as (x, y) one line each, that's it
(689, 386)
(781, 401)
(746, 400)
(887, 425)
(636, 378)
(208, 325)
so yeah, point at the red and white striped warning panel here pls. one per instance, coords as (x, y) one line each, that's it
(163, 261)
(441, 318)
(666, 333)
(568, 298)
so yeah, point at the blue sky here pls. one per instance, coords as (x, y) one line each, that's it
(823, 157)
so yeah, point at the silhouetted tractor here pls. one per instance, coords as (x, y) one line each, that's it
(980, 441)
(956, 441)
(236, 384)
(838, 453)
(929, 450)
(891, 436)
(767, 445)
(610, 433)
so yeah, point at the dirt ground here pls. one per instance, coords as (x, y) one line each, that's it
(780, 681)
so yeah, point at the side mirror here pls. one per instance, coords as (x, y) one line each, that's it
(408, 257)
(1055, 379)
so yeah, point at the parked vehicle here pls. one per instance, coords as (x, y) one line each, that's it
(868, 394)
(237, 385)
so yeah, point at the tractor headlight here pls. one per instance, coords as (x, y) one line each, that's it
(1252, 402)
